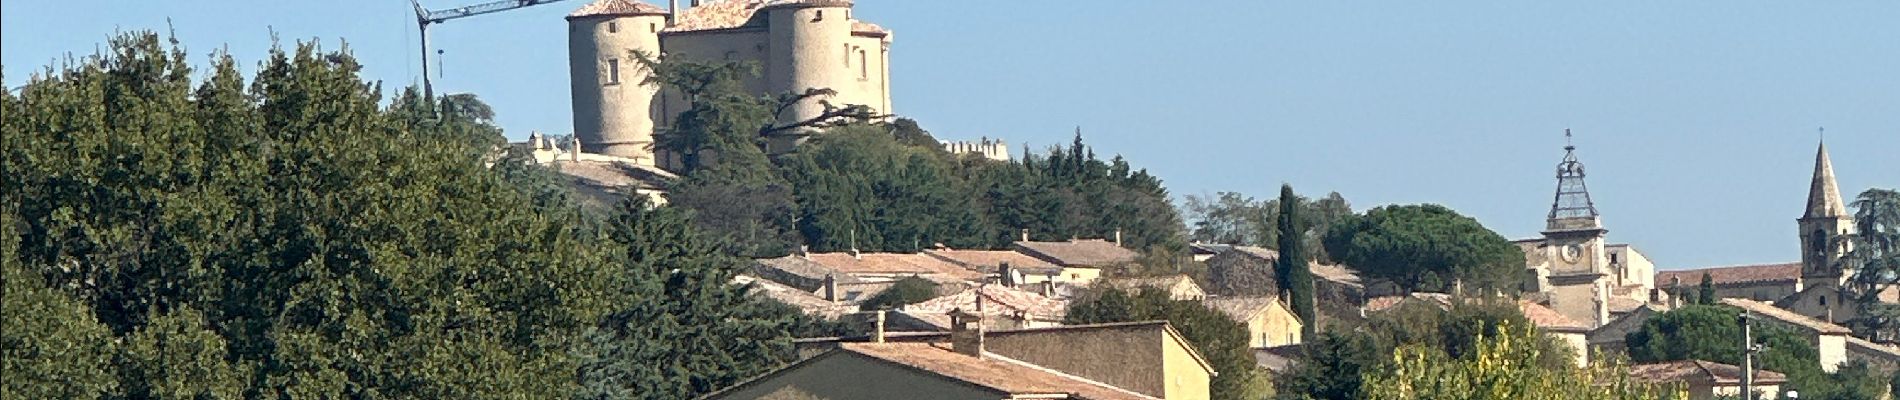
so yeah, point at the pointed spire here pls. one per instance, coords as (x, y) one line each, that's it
(1573, 197)
(1824, 195)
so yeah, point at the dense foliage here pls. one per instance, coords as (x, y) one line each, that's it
(1218, 338)
(906, 291)
(1337, 361)
(888, 186)
(1234, 218)
(1505, 364)
(1296, 276)
(1876, 244)
(297, 236)
(1426, 247)
(1711, 333)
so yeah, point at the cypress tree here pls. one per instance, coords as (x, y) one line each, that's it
(1295, 278)
(1707, 295)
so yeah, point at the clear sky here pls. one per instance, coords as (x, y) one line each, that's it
(1697, 119)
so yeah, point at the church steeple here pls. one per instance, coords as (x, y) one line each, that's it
(1824, 195)
(1824, 228)
(1572, 209)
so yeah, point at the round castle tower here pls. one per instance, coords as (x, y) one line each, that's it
(804, 37)
(612, 103)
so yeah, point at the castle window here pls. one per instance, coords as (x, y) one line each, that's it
(613, 71)
(613, 27)
(819, 17)
(1823, 300)
(847, 56)
(653, 28)
(864, 70)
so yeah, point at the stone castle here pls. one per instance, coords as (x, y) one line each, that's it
(797, 44)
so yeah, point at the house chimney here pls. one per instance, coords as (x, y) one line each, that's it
(877, 332)
(804, 251)
(1025, 234)
(966, 331)
(1457, 288)
(831, 288)
(1007, 274)
(576, 150)
(673, 12)
(856, 254)
(1118, 238)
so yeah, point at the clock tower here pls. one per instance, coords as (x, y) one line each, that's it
(1578, 269)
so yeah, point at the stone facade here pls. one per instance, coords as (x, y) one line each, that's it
(797, 44)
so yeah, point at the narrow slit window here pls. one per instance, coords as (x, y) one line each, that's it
(864, 69)
(613, 27)
(653, 28)
(613, 71)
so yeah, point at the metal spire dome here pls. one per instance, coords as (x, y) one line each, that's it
(1573, 197)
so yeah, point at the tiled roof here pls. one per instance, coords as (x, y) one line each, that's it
(1241, 308)
(1088, 252)
(891, 263)
(804, 301)
(1887, 353)
(866, 27)
(724, 14)
(616, 7)
(1744, 274)
(987, 260)
(1707, 372)
(1546, 318)
(1336, 273)
(997, 301)
(1787, 317)
(1386, 302)
(990, 371)
(1624, 304)
(1259, 252)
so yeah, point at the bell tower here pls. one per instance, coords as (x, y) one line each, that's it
(1579, 269)
(1825, 227)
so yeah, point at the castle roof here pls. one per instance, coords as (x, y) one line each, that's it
(1824, 195)
(728, 14)
(616, 8)
(1704, 372)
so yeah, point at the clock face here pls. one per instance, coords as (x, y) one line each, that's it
(1572, 252)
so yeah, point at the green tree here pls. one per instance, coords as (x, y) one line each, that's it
(1335, 364)
(906, 291)
(685, 330)
(51, 346)
(1705, 292)
(1502, 365)
(1712, 333)
(177, 357)
(1218, 338)
(1402, 243)
(1876, 247)
(1294, 276)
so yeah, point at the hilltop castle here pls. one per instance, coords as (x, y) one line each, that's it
(798, 45)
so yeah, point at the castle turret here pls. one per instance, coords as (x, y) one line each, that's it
(1824, 228)
(611, 99)
(806, 38)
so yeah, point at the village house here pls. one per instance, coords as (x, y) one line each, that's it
(1178, 287)
(1002, 308)
(1337, 290)
(1134, 360)
(1096, 254)
(1705, 380)
(1269, 321)
(1766, 282)
(1018, 269)
(852, 277)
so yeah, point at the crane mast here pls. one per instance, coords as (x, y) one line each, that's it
(426, 17)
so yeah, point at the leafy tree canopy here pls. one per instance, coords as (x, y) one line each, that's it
(1407, 243)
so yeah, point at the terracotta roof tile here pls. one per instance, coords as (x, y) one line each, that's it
(725, 14)
(1546, 318)
(1787, 317)
(990, 371)
(987, 260)
(1089, 252)
(1387, 302)
(616, 8)
(1743, 274)
(805, 301)
(892, 263)
(1242, 308)
(1706, 372)
(997, 301)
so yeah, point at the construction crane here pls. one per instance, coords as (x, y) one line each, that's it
(426, 17)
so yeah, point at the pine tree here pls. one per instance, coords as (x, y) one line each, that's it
(1295, 276)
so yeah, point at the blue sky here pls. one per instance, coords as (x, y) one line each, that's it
(1697, 119)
